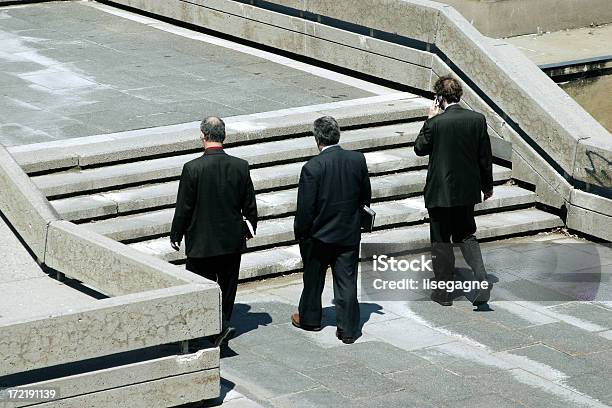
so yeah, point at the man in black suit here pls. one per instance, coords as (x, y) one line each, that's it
(460, 168)
(215, 193)
(333, 188)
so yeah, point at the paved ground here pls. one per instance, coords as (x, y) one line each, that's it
(72, 69)
(568, 45)
(542, 351)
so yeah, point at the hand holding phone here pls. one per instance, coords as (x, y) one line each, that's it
(435, 107)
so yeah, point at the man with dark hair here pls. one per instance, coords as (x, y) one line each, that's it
(460, 168)
(215, 193)
(333, 188)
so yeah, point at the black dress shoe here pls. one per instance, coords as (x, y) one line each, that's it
(224, 337)
(442, 299)
(345, 340)
(295, 320)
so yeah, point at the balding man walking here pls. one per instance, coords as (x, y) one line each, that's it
(215, 193)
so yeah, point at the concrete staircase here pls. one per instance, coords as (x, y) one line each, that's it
(133, 201)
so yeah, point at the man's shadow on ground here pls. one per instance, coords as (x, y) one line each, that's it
(366, 310)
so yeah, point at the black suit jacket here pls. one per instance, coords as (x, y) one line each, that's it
(214, 193)
(460, 160)
(333, 186)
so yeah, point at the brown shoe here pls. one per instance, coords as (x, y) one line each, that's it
(295, 320)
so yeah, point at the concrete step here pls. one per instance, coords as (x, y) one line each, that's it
(168, 140)
(78, 182)
(273, 204)
(164, 194)
(407, 211)
(150, 224)
(287, 258)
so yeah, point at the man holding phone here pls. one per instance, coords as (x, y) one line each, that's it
(460, 168)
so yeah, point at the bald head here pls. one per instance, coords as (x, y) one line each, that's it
(213, 129)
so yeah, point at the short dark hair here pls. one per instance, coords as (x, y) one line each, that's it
(448, 88)
(326, 131)
(213, 129)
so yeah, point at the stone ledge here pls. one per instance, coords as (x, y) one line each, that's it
(24, 205)
(162, 393)
(109, 326)
(118, 379)
(110, 267)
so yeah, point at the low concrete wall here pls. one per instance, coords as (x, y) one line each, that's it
(559, 139)
(107, 265)
(161, 303)
(145, 384)
(507, 18)
(24, 205)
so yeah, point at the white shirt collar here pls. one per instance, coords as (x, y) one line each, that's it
(327, 147)
(451, 104)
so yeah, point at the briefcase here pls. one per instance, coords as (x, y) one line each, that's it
(367, 218)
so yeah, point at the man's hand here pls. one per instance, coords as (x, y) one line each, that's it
(487, 195)
(434, 109)
(175, 245)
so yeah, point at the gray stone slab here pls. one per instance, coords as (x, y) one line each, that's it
(266, 378)
(568, 365)
(437, 385)
(381, 357)
(320, 397)
(600, 315)
(495, 336)
(533, 391)
(298, 353)
(347, 380)
(569, 339)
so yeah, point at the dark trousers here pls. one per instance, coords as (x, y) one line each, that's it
(317, 257)
(224, 270)
(458, 224)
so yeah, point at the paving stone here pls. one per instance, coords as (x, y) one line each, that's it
(347, 380)
(566, 364)
(300, 354)
(568, 339)
(381, 357)
(398, 399)
(437, 385)
(266, 378)
(466, 359)
(407, 334)
(593, 313)
(485, 401)
(316, 398)
(533, 391)
(493, 335)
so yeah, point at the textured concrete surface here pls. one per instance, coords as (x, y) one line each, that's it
(523, 353)
(24, 205)
(70, 70)
(506, 18)
(566, 45)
